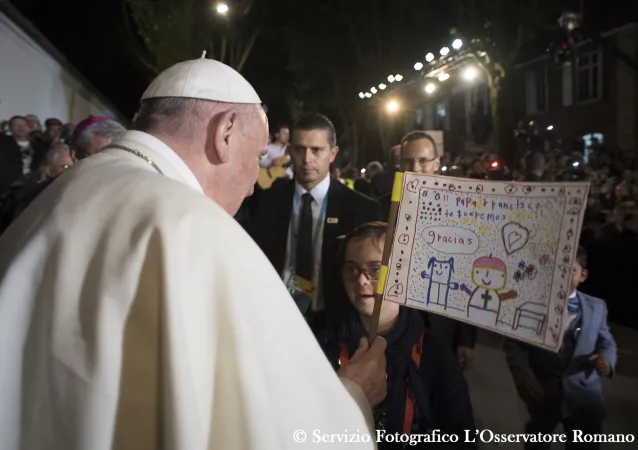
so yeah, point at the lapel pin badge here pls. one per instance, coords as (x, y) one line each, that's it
(333, 220)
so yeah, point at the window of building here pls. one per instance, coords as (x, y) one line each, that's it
(440, 116)
(536, 97)
(589, 77)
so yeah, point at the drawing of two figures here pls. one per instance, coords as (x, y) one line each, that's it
(489, 274)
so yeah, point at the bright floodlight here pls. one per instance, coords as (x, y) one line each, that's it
(393, 106)
(391, 78)
(429, 57)
(398, 77)
(444, 169)
(445, 51)
(368, 95)
(470, 73)
(457, 44)
(363, 171)
(382, 86)
(430, 87)
(550, 128)
(373, 90)
(418, 66)
(575, 164)
(444, 76)
(222, 8)
(362, 95)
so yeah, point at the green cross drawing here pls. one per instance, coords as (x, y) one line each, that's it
(487, 297)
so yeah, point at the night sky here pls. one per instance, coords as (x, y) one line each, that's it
(94, 37)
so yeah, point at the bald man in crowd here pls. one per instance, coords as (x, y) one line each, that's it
(135, 313)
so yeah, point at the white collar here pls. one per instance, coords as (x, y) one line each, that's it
(165, 152)
(573, 294)
(318, 192)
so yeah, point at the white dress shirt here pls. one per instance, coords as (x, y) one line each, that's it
(571, 316)
(318, 193)
(275, 151)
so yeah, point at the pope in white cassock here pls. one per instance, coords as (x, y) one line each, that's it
(136, 314)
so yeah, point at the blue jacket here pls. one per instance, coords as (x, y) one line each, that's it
(572, 388)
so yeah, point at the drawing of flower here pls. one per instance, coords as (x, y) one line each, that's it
(544, 259)
(518, 276)
(530, 272)
(521, 265)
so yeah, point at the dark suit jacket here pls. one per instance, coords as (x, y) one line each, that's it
(11, 161)
(266, 217)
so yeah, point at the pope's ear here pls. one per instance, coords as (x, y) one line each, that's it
(222, 130)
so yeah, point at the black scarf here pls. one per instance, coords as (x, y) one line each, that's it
(400, 366)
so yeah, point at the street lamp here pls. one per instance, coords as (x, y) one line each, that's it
(457, 44)
(391, 78)
(373, 90)
(430, 88)
(368, 95)
(429, 57)
(222, 8)
(392, 106)
(398, 77)
(362, 95)
(382, 86)
(470, 74)
(444, 51)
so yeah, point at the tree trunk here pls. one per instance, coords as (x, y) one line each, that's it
(494, 91)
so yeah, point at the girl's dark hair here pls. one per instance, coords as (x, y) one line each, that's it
(370, 230)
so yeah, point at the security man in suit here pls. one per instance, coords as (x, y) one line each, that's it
(419, 154)
(297, 223)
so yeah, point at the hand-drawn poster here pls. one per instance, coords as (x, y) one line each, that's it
(495, 254)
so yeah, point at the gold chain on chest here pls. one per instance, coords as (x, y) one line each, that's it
(138, 154)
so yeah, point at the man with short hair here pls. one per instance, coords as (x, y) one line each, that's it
(18, 156)
(297, 223)
(419, 154)
(137, 314)
(382, 182)
(276, 154)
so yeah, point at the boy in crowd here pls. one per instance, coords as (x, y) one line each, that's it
(566, 387)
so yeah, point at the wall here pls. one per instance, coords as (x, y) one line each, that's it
(34, 82)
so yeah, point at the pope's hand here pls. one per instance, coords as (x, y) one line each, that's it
(367, 369)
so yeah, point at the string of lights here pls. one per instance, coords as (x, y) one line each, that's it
(434, 68)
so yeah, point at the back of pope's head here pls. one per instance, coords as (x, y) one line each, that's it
(213, 119)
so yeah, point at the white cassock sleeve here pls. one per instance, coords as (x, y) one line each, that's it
(225, 360)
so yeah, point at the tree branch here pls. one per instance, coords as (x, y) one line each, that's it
(247, 49)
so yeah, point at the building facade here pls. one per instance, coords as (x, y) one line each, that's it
(594, 97)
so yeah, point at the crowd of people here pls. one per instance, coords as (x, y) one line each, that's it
(610, 228)
(141, 315)
(30, 157)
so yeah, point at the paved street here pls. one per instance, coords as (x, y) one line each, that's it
(498, 408)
